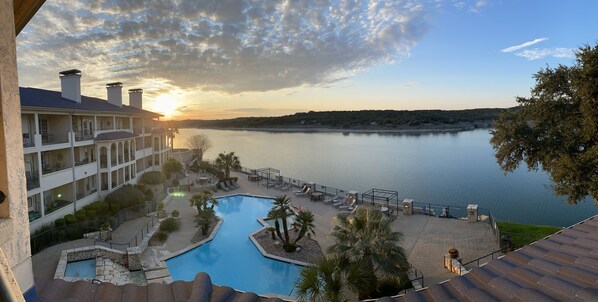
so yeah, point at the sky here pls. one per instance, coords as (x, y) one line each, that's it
(215, 59)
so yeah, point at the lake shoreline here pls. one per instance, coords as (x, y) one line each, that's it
(339, 130)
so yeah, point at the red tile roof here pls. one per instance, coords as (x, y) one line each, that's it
(563, 266)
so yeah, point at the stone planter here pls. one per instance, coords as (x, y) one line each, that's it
(161, 214)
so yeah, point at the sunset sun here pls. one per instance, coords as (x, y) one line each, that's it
(166, 104)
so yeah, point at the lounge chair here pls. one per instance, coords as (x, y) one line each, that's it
(306, 193)
(231, 184)
(350, 207)
(349, 211)
(285, 187)
(332, 199)
(223, 186)
(302, 191)
(342, 201)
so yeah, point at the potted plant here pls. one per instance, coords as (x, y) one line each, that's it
(106, 226)
(175, 213)
(160, 208)
(453, 253)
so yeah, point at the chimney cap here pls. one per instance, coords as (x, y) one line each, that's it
(115, 84)
(70, 72)
(135, 90)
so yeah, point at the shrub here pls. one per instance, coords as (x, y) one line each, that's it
(161, 236)
(91, 214)
(59, 222)
(102, 208)
(125, 196)
(80, 215)
(160, 206)
(70, 219)
(106, 225)
(152, 178)
(170, 225)
(175, 213)
(175, 182)
(149, 194)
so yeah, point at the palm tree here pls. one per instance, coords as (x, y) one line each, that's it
(227, 162)
(366, 238)
(279, 212)
(304, 222)
(204, 202)
(328, 280)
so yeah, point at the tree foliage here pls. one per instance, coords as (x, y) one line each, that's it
(199, 143)
(556, 129)
(171, 166)
(367, 254)
(152, 178)
(227, 162)
(125, 196)
(280, 212)
(358, 119)
(204, 202)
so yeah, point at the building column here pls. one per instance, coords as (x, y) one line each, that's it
(14, 217)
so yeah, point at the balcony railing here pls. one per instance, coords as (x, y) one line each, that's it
(137, 130)
(83, 135)
(56, 204)
(33, 215)
(33, 180)
(83, 162)
(28, 140)
(81, 195)
(55, 137)
(53, 168)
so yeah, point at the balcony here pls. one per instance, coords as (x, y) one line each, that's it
(137, 130)
(28, 140)
(32, 178)
(55, 137)
(54, 168)
(81, 195)
(83, 135)
(54, 205)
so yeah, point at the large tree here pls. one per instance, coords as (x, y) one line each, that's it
(227, 162)
(556, 128)
(199, 143)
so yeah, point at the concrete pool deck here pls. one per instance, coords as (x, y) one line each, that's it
(426, 239)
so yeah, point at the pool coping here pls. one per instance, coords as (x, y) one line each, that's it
(200, 243)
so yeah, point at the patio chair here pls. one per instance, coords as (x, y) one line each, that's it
(350, 207)
(341, 201)
(231, 184)
(302, 191)
(307, 192)
(349, 211)
(223, 186)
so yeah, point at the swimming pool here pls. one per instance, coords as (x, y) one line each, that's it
(81, 269)
(230, 258)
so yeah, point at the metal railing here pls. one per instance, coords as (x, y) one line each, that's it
(83, 135)
(55, 137)
(139, 236)
(468, 265)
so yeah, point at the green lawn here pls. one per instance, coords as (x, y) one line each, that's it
(522, 234)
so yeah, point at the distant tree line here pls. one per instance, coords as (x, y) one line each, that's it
(482, 118)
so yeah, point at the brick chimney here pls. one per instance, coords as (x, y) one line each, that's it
(115, 93)
(70, 84)
(135, 98)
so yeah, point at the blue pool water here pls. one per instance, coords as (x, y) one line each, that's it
(81, 269)
(231, 259)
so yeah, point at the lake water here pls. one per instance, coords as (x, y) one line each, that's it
(441, 168)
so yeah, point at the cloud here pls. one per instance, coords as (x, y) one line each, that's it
(539, 53)
(523, 45)
(231, 46)
(407, 84)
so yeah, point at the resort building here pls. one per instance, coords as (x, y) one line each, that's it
(77, 149)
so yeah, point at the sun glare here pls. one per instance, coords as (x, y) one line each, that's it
(166, 104)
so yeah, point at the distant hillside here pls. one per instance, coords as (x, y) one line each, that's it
(364, 119)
